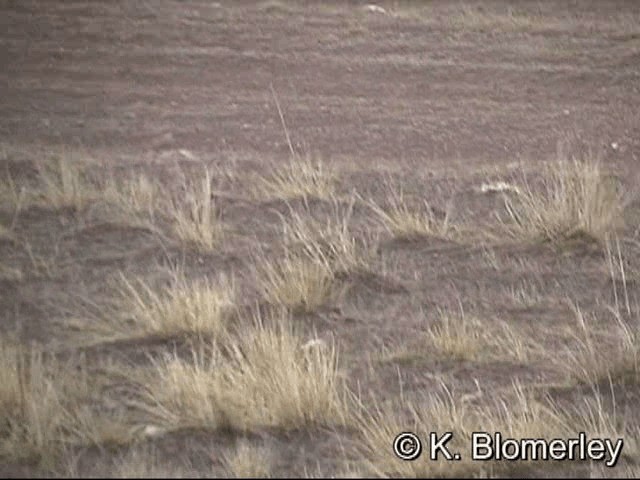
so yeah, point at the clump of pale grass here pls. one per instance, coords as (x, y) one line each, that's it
(471, 18)
(576, 198)
(5, 233)
(316, 255)
(516, 414)
(329, 243)
(526, 294)
(10, 194)
(137, 198)
(194, 217)
(31, 411)
(379, 426)
(468, 338)
(10, 274)
(201, 307)
(599, 420)
(301, 177)
(405, 222)
(612, 353)
(599, 355)
(248, 461)
(260, 378)
(62, 183)
(40, 406)
(296, 282)
(10, 381)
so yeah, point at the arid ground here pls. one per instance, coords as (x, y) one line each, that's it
(265, 238)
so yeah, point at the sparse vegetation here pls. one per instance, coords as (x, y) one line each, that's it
(510, 20)
(248, 461)
(403, 221)
(194, 216)
(43, 407)
(10, 274)
(574, 198)
(466, 338)
(598, 354)
(516, 312)
(515, 413)
(63, 184)
(301, 177)
(261, 377)
(296, 282)
(200, 307)
(137, 198)
(5, 233)
(330, 243)
(10, 194)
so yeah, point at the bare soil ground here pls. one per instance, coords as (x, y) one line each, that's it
(457, 320)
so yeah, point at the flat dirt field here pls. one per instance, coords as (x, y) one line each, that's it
(265, 238)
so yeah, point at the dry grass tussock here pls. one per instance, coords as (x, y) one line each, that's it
(200, 307)
(138, 199)
(516, 414)
(249, 461)
(405, 222)
(575, 199)
(6, 233)
(46, 406)
(10, 274)
(467, 338)
(62, 183)
(10, 194)
(31, 417)
(296, 282)
(316, 255)
(331, 242)
(301, 177)
(612, 353)
(598, 355)
(510, 20)
(194, 217)
(261, 377)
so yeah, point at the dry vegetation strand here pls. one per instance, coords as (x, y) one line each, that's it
(332, 243)
(261, 377)
(575, 198)
(46, 406)
(183, 307)
(194, 217)
(62, 183)
(406, 222)
(516, 414)
(301, 177)
(296, 282)
(136, 199)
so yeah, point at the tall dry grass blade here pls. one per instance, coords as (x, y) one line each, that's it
(194, 217)
(261, 377)
(574, 198)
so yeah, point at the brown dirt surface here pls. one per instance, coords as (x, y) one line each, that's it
(439, 97)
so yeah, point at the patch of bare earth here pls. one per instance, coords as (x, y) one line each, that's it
(263, 239)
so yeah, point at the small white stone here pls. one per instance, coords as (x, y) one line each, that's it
(498, 187)
(187, 154)
(314, 343)
(152, 431)
(375, 8)
(614, 145)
